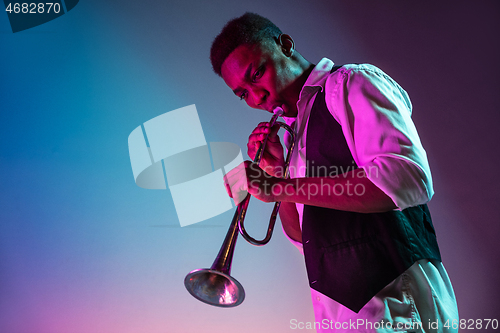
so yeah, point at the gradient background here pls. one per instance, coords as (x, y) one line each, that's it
(83, 249)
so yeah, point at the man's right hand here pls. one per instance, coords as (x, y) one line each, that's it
(272, 161)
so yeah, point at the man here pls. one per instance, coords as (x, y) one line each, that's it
(355, 203)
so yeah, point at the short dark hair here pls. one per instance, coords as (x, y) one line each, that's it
(250, 28)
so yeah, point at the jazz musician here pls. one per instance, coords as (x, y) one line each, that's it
(356, 200)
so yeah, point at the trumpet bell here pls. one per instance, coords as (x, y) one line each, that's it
(214, 288)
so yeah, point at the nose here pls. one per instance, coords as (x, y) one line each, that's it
(259, 96)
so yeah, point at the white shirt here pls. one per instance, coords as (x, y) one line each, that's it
(375, 115)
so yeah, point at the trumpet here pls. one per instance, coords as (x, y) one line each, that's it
(215, 285)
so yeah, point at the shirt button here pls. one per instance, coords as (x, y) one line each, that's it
(318, 298)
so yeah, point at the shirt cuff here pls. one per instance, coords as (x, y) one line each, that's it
(400, 179)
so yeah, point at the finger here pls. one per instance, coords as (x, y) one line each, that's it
(273, 132)
(257, 137)
(253, 145)
(228, 190)
(263, 124)
(240, 191)
(226, 186)
(236, 179)
(261, 129)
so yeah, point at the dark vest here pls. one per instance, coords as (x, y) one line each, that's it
(350, 256)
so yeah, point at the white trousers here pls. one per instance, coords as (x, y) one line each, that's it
(421, 300)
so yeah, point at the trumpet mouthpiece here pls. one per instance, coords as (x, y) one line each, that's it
(278, 111)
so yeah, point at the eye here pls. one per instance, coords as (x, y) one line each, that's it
(243, 95)
(258, 73)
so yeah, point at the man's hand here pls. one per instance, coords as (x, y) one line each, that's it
(272, 161)
(248, 177)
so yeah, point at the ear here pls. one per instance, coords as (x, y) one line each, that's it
(287, 44)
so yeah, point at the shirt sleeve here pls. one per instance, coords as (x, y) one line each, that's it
(375, 115)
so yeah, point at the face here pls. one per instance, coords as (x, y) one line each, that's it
(264, 77)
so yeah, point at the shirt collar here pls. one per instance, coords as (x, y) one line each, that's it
(318, 76)
(315, 80)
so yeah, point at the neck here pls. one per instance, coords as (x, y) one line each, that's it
(306, 68)
(307, 71)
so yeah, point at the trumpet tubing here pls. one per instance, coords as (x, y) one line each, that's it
(215, 285)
